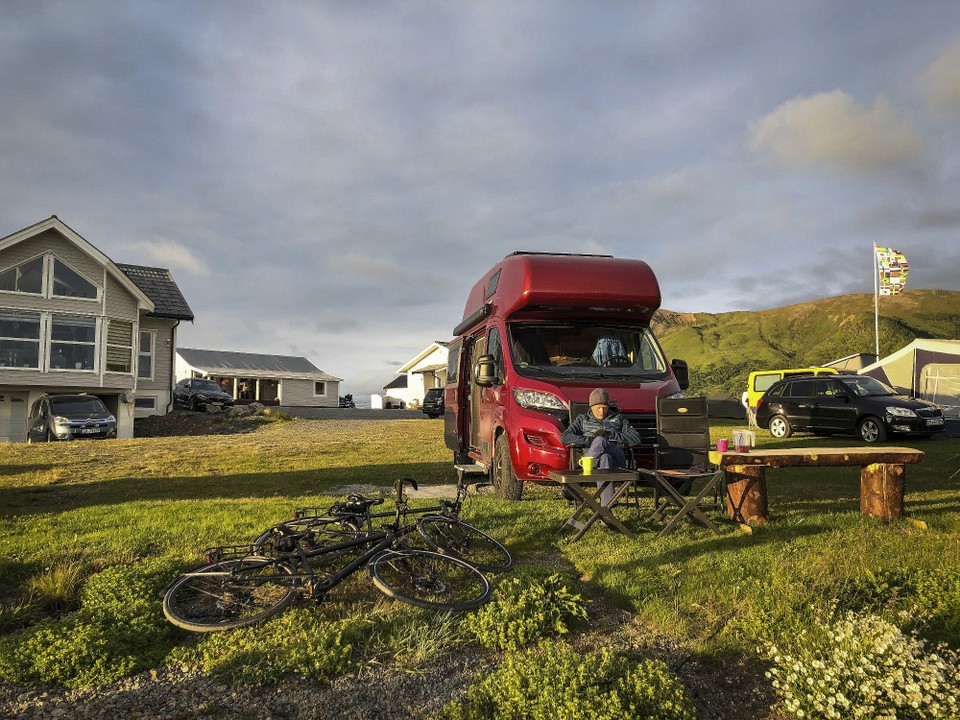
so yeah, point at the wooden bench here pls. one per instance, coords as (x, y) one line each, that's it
(881, 477)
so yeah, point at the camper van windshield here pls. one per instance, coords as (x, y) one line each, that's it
(585, 350)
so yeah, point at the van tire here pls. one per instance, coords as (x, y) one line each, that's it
(506, 486)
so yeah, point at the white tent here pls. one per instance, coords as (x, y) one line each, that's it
(928, 369)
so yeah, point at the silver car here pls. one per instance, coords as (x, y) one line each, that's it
(70, 417)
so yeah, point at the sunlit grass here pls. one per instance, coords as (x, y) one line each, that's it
(69, 510)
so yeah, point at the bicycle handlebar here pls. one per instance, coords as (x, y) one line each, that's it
(400, 482)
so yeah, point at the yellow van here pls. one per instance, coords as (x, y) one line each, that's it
(760, 381)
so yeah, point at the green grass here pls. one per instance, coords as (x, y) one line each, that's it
(68, 512)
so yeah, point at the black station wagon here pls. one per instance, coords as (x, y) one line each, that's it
(845, 404)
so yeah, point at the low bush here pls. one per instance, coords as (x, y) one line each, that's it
(555, 682)
(119, 629)
(299, 641)
(929, 599)
(861, 666)
(524, 611)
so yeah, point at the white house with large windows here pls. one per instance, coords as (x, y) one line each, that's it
(72, 321)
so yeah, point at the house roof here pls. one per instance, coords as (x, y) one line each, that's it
(158, 285)
(434, 347)
(400, 381)
(253, 364)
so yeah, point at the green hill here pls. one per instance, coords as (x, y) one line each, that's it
(723, 349)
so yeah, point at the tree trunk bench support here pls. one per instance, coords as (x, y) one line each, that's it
(881, 477)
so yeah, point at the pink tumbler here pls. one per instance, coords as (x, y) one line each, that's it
(722, 445)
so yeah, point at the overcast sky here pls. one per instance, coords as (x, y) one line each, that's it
(329, 179)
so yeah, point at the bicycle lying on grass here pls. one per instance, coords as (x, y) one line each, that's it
(243, 585)
(440, 525)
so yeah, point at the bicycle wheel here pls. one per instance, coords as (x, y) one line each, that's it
(429, 580)
(228, 594)
(456, 538)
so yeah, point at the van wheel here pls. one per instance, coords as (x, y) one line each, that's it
(505, 483)
(872, 430)
(780, 427)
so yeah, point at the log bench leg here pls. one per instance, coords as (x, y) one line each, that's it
(881, 491)
(746, 494)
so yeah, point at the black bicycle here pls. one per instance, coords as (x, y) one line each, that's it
(440, 527)
(236, 591)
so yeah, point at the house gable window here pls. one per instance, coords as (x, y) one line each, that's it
(69, 283)
(48, 276)
(24, 278)
(319, 388)
(119, 346)
(19, 339)
(73, 342)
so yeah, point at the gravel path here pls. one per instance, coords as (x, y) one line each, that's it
(176, 695)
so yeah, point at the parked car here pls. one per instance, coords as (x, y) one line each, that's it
(845, 404)
(433, 403)
(70, 417)
(198, 393)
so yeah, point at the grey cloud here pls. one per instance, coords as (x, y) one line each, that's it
(941, 82)
(833, 129)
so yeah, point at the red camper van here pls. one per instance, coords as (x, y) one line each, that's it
(540, 331)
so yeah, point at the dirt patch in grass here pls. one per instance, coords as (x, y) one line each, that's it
(185, 422)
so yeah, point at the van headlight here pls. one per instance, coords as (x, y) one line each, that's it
(537, 400)
(901, 412)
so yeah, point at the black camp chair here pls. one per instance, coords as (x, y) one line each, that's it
(682, 477)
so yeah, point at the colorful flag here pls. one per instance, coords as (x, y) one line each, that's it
(893, 268)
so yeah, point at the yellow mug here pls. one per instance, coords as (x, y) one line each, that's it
(586, 462)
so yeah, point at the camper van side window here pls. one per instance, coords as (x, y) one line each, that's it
(492, 285)
(453, 363)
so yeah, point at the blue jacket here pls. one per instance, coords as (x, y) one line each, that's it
(585, 427)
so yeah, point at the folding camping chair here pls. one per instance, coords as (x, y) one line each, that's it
(682, 476)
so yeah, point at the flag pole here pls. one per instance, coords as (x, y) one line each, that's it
(876, 301)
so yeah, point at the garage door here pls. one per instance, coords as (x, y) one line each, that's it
(13, 417)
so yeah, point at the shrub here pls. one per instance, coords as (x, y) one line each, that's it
(299, 641)
(555, 682)
(861, 666)
(524, 611)
(118, 630)
(929, 599)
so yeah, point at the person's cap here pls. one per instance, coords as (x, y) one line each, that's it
(599, 397)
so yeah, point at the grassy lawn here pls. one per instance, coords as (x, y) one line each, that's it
(143, 509)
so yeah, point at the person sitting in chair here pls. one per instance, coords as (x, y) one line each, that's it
(605, 433)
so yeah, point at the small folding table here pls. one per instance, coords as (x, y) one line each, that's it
(586, 494)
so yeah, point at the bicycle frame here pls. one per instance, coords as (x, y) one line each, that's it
(380, 541)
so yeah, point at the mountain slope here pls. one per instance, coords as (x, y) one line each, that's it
(722, 349)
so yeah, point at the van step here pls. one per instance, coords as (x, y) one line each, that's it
(475, 469)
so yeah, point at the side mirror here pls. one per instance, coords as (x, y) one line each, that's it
(681, 372)
(485, 371)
